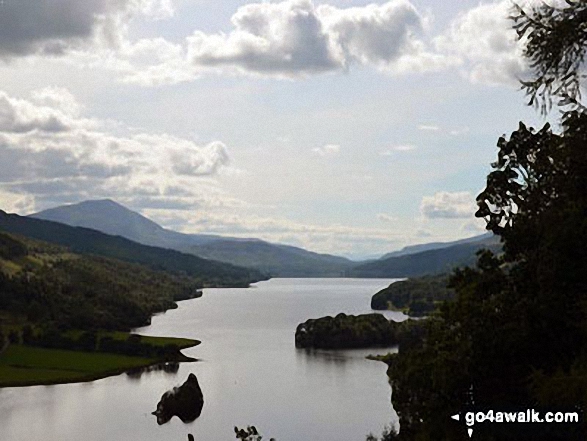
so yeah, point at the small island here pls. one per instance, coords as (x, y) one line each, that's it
(347, 331)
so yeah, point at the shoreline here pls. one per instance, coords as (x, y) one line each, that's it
(94, 376)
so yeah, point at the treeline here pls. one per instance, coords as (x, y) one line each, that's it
(90, 341)
(85, 292)
(50, 337)
(416, 297)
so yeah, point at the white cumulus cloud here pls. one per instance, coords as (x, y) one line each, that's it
(447, 205)
(484, 39)
(48, 151)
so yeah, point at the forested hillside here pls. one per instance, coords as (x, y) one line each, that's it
(87, 241)
(416, 297)
(49, 285)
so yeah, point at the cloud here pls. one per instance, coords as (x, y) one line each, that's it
(335, 239)
(422, 233)
(445, 205)
(484, 38)
(398, 148)
(458, 132)
(21, 116)
(475, 226)
(290, 39)
(286, 39)
(429, 127)
(49, 151)
(386, 218)
(327, 150)
(54, 27)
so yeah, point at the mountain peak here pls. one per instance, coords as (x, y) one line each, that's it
(94, 203)
(104, 215)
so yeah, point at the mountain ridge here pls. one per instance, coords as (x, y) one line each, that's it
(84, 240)
(110, 217)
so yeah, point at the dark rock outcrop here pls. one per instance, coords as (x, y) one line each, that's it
(185, 402)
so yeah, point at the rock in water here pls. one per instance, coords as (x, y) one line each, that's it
(185, 402)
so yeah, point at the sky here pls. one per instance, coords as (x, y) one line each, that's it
(346, 127)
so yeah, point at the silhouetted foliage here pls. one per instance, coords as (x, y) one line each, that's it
(555, 41)
(516, 334)
(388, 434)
(249, 434)
(515, 337)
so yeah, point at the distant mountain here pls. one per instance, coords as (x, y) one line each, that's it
(87, 241)
(279, 260)
(412, 249)
(434, 261)
(110, 217)
(274, 259)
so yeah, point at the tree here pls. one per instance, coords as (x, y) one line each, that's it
(555, 42)
(516, 333)
(248, 434)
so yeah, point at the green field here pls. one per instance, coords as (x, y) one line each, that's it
(26, 365)
(182, 343)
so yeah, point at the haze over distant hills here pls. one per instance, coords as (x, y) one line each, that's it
(273, 259)
(111, 217)
(413, 249)
(430, 261)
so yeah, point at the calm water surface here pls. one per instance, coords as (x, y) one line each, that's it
(250, 373)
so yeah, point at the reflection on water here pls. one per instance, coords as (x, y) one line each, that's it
(171, 367)
(250, 371)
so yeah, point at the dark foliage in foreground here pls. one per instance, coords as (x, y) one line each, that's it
(516, 335)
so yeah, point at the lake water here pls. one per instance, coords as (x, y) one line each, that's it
(250, 373)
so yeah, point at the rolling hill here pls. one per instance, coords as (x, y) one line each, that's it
(274, 259)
